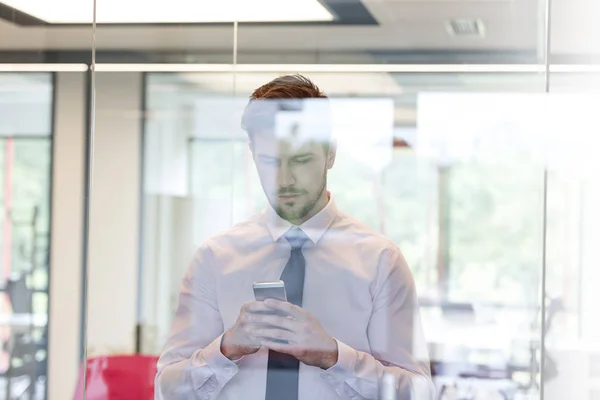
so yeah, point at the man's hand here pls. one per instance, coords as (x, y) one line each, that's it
(305, 338)
(241, 339)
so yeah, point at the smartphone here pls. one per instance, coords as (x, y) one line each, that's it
(269, 290)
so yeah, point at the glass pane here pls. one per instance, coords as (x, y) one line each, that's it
(172, 169)
(483, 309)
(25, 166)
(128, 137)
(571, 331)
(24, 95)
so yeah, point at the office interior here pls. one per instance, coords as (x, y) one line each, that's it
(468, 132)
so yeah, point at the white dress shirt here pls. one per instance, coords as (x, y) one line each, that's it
(357, 284)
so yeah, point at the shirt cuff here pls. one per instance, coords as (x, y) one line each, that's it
(345, 366)
(223, 368)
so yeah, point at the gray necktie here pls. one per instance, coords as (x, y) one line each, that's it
(282, 373)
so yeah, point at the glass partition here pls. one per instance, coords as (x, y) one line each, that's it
(26, 104)
(571, 333)
(448, 154)
(447, 217)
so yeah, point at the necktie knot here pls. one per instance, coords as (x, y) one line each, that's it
(296, 237)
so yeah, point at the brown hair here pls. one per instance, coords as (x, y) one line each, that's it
(284, 91)
(288, 87)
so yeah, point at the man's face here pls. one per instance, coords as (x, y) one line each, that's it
(293, 174)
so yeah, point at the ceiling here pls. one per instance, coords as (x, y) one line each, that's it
(405, 27)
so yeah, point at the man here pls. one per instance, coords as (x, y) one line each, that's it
(352, 314)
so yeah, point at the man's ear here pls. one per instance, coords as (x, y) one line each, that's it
(331, 153)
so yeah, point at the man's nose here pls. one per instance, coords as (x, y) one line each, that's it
(285, 177)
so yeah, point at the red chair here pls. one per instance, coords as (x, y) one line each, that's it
(127, 377)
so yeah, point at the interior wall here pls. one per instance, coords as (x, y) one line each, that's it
(114, 219)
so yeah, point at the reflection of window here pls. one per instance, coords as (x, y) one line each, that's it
(495, 232)
(223, 182)
(25, 160)
(471, 232)
(399, 201)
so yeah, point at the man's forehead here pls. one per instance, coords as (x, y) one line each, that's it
(268, 144)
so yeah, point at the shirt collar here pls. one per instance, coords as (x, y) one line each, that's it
(314, 228)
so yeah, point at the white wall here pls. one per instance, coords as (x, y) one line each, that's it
(114, 222)
(66, 247)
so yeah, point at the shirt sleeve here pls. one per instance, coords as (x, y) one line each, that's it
(191, 364)
(396, 341)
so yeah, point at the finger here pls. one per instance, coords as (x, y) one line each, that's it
(285, 348)
(275, 321)
(288, 308)
(271, 334)
(256, 307)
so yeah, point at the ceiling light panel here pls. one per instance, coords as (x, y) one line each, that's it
(172, 11)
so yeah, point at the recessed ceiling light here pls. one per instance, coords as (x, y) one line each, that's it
(171, 11)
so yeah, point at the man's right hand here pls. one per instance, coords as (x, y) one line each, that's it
(239, 340)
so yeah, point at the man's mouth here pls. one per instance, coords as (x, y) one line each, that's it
(288, 196)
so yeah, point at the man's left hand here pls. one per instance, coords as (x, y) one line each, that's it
(305, 339)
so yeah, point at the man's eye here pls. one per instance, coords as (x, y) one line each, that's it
(302, 160)
(269, 161)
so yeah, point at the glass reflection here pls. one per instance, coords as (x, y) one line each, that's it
(347, 314)
(452, 217)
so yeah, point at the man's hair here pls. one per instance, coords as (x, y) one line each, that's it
(288, 87)
(281, 94)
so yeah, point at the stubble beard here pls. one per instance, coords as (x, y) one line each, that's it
(305, 210)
